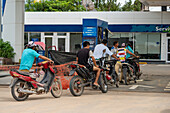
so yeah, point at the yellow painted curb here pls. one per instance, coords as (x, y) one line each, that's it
(142, 62)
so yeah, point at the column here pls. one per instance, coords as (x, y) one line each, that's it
(163, 46)
(13, 25)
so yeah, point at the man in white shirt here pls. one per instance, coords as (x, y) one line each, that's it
(98, 50)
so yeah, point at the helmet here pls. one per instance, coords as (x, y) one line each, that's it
(31, 44)
(123, 44)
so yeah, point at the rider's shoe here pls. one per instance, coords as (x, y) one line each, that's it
(40, 89)
(121, 82)
(111, 81)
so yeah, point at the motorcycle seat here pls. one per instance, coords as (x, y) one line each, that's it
(20, 72)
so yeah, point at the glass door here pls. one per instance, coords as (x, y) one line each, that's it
(48, 43)
(61, 44)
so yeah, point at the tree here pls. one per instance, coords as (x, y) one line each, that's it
(129, 6)
(107, 5)
(137, 5)
(54, 5)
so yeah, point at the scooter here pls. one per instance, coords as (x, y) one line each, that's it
(85, 78)
(23, 85)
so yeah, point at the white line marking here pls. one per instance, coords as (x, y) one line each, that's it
(139, 80)
(163, 65)
(135, 86)
(166, 89)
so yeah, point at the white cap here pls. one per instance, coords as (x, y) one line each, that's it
(123, 44)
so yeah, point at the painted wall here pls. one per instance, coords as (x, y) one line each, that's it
(13, 25)
(110, 17)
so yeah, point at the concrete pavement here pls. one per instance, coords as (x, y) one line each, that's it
(90, 102)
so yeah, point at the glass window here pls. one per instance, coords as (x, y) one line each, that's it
(25, 38)
(35, 37)
(48, 34)
(120, 37)
(148, 45)
(168, 34)
(75, 42)
(61, 34)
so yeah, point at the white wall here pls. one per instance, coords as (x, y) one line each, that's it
(111, 17)
(13, 26)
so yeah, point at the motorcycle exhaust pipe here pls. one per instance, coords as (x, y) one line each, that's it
(26, 91)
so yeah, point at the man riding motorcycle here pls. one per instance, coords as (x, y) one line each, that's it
(83, 58)
(121, 53)
(28, 57)
(98, 50)
(101, 50)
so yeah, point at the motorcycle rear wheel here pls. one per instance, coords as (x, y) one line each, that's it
(56, 89)
(76, 87)
(15, 90)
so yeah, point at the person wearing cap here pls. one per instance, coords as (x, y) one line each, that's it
(121, 54)
(28, 57)
(101, 50)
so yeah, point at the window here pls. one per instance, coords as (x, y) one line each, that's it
(48, 34)
(148, 45)
(168, 34)
(120, 37)
(61, 34)
(35, 37)
(25, 38)
(75, 42)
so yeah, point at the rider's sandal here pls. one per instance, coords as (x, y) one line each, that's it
(97, 85)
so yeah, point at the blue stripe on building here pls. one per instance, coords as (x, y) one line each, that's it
(3, 6)
(113, 28)
(53, 28)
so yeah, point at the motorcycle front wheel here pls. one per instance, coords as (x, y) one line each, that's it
(15, 90)
(56, 89)
(103, 83)
(76, 87)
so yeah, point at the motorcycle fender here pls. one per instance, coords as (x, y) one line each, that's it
(13, 81)
(72, 72)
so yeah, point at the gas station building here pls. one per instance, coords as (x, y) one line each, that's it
(149, 32)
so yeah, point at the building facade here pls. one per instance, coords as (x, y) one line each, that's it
(149, 32)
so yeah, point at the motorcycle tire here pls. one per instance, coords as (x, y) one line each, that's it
(103, 83)
(126, 78)
(56, 89)
(75, 88)
(15, 88)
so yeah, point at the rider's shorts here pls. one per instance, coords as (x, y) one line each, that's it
(90, 67)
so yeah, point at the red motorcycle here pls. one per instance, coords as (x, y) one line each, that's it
(23, 85)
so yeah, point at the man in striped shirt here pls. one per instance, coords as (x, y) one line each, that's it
(121, 54)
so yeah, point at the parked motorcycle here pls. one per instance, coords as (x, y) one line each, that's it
(85, 78)
(23, 85)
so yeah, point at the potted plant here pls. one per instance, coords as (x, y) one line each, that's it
(6, 52)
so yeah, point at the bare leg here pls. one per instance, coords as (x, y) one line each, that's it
(97, 74)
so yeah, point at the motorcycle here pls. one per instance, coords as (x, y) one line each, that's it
(112, 78)
(85, 78)
(23, 85)
(135, 62)
(130, 71)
